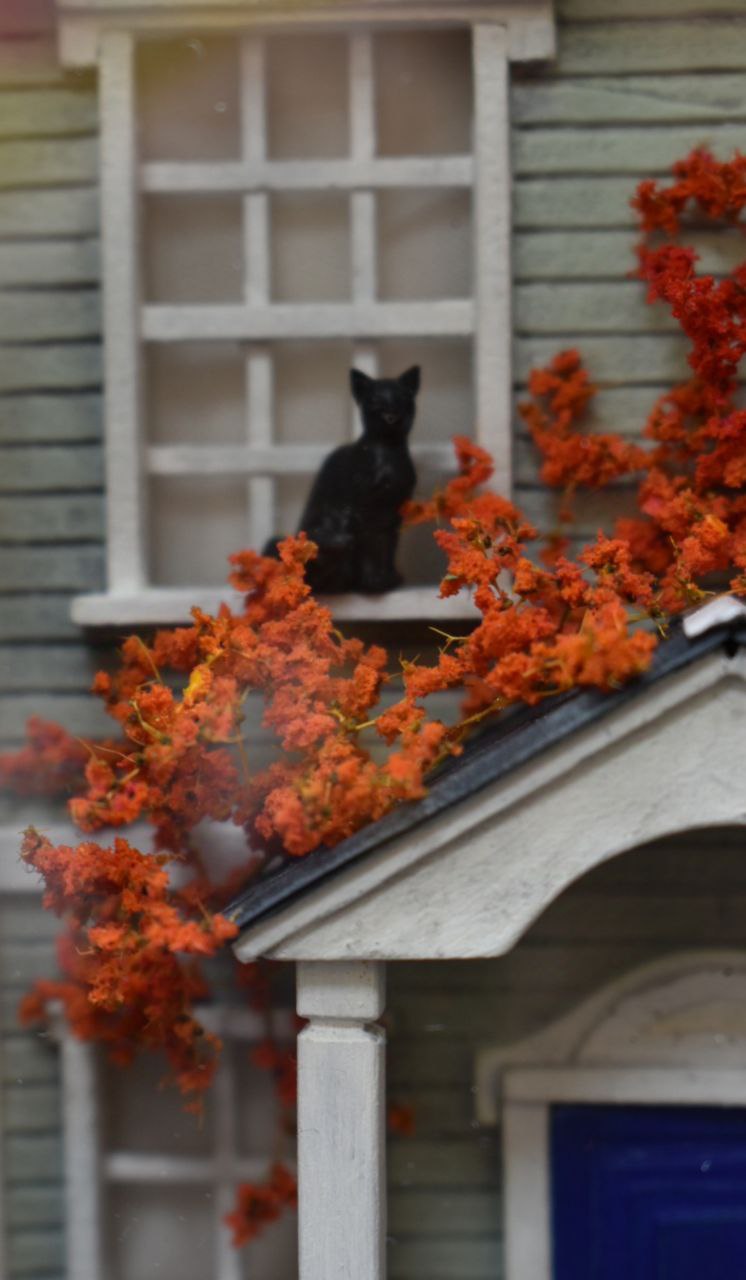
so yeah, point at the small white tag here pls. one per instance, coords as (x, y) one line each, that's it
(716, 613)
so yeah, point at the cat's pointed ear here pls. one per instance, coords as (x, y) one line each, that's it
(410, 379)
(360, 384)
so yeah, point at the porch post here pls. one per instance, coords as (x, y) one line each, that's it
(341, 1131)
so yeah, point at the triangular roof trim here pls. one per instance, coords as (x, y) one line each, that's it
(467, 877)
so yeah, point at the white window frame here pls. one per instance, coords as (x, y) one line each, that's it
(89, 1170)
(104, 33)
(672, 1032)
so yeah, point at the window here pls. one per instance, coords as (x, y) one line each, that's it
(263, 229)
(145, 1181)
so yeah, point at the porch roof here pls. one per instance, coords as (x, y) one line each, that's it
(511, 741)
(513, 759)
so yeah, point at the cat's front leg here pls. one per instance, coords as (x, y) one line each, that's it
(378, 571)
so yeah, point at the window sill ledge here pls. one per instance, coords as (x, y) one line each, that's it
(171, 605)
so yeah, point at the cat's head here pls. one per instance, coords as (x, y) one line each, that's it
(387, 405)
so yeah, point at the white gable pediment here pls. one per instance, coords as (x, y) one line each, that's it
(684, 1012)
(470, 881)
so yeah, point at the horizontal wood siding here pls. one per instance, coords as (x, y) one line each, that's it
(29, 1101)
(51, 499)
(444, 1183)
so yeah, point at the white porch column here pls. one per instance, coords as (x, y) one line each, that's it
(341, 1130)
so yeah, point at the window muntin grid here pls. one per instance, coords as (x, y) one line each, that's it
(365, 185)
(128, 1178)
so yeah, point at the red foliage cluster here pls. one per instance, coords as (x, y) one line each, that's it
(52, 763)
(181, 702)
(127, 980)
(692, 521)
(260, 1203)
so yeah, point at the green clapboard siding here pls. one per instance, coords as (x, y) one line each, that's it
(608, 255)
(613, 101)
(47, 666)
(30, 1101)
(80, 713)
(50, 568)
(37, 617)
(632, 358)
(43, 467)
(48, 419)
(639, 151)
(33, 1252)
(710, 43)
(66, 262)
(66, 517)
(560, 308)
(42, 316)
(55, 212)
(51, 112)
(47, 162)
(74, 366)
(573, 203)
(585, 10)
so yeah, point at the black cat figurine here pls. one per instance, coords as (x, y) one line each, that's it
(353, 509)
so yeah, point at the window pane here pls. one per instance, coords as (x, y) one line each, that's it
(161, 1231)
(193, 249)
(313, 401)
(445, 404)
(423, 92)
(307, 96)
(195, 393)
(424, 244)
(310, 247)
(292, 492)
(140, 1115)
(257, 1113)
(274, 1256)
(195, 523)
(188, 99)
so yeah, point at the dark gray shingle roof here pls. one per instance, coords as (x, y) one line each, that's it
(509, 742)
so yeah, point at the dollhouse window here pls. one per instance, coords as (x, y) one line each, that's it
(145, 1180)
(282, 200)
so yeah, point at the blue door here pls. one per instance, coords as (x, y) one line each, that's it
(649, 1193)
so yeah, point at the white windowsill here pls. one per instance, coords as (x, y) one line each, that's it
(170, 605)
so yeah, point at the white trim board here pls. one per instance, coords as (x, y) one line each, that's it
(161, 605)
(671, 1032)
(529, 23)
(470, 881)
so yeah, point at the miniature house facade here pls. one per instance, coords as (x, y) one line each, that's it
(569, 932)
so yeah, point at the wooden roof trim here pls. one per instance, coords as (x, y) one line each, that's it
(530, 23)
(469, 881)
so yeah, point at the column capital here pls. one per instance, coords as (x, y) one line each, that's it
(346, 991)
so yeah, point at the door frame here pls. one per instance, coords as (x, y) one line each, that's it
(669, 1033)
